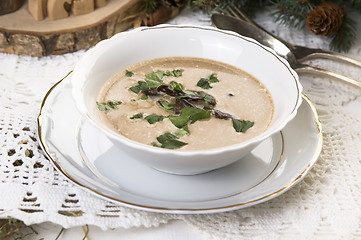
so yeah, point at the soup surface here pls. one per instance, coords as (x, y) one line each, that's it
(185, 103)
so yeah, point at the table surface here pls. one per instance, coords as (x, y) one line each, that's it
(325, 205)
(174, 230)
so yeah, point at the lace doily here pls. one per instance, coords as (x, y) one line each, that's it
(326, 204)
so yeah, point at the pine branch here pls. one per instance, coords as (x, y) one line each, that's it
(346, 36)
(355, 4)
(292, 13)
(206, 5)
(149, 6)
(350, 4)
(248, 6)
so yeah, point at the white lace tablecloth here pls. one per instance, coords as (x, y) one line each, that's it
(326, 204)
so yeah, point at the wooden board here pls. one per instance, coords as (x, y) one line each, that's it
(21, 34)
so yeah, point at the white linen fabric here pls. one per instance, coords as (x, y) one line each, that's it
(326, 204)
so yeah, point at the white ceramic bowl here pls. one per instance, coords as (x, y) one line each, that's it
(124, 49)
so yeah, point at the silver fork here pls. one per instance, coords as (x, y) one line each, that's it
(301, 53)
(248, 29)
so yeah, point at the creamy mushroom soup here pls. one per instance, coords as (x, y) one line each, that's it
(185, 103)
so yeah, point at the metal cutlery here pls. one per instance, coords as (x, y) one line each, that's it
(249, 30)
(301, 53)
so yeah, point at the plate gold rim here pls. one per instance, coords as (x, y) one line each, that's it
(182, 210)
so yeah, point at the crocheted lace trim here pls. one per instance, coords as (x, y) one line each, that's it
(324, 205)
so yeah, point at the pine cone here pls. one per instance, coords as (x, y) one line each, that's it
(325, 19)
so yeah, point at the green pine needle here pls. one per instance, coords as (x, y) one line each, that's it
(291, 13)
(346, 36)
(149, 6)
(354, 4)
(248, 6)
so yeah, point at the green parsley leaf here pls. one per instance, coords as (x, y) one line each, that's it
(205, 83)
(144, 97)
(177, 73)
(154, 118)
(213, 78)
(137, 116)
(154, 79)
(158, 75)
(189, 113)
(153, 84)
(207, 98)
(179, 121)
(170, 141)
(182, 131)
(166, 137)
(195, 114)
(241, 125)
(128, 73)
(166, 106)
(154, 144)
(142, 86)
(176, 86)
(108, 105)
(192, 93)
(174, 73)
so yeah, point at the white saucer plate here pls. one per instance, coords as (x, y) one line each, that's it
(87, 158)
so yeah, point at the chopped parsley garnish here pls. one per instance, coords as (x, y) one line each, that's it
(154, 79)
(182, 131)
(186, 106)
(108, 105)
(142, 86)
(176, 86)
(174, 73)
(179, 121)
(207, 98)
(128, 73)
(241, 125)
(190, 93)
(189, 114)
(166, 106)
(144, 97)
(137, 116)
(205, 83)
(169, 141)
(153, 118)
(213, 78)
(195, 114)
(197, 96)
